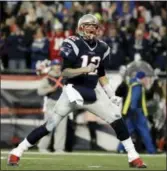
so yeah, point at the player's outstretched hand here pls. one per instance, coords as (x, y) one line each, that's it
(91, 67)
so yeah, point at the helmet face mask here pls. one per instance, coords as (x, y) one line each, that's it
(88, 27)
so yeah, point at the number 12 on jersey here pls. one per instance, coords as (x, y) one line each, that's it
(95, 60)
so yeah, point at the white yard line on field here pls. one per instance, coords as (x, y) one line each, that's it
(86, 154)
(94, 166)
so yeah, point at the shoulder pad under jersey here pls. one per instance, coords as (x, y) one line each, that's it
(74, 42)
(103, 44)
(105, 47)
(74, 38)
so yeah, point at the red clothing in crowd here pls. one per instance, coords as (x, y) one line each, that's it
(56, 39)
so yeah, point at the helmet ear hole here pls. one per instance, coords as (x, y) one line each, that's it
(80, 30)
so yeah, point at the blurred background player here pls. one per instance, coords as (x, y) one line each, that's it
(51, 88)
(136, 110)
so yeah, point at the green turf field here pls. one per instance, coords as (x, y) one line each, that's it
(80, 161)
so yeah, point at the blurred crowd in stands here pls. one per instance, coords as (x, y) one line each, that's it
(32, 31)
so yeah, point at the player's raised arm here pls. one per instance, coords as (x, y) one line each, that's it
(45, 87)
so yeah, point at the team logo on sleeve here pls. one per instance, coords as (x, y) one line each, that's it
(66, 50)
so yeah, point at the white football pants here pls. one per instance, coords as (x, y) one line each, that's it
(59, 133)
(102, 107)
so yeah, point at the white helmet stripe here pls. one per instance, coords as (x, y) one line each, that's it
(74, 46)
(106, 53)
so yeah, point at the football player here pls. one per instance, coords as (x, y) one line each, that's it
(51, 88)
(83, 67)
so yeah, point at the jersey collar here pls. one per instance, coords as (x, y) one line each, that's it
(91, 48)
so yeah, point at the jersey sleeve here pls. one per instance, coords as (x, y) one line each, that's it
(107, 50)
(101, 70)
(68, 53)
(69, 49)
(106, 53)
